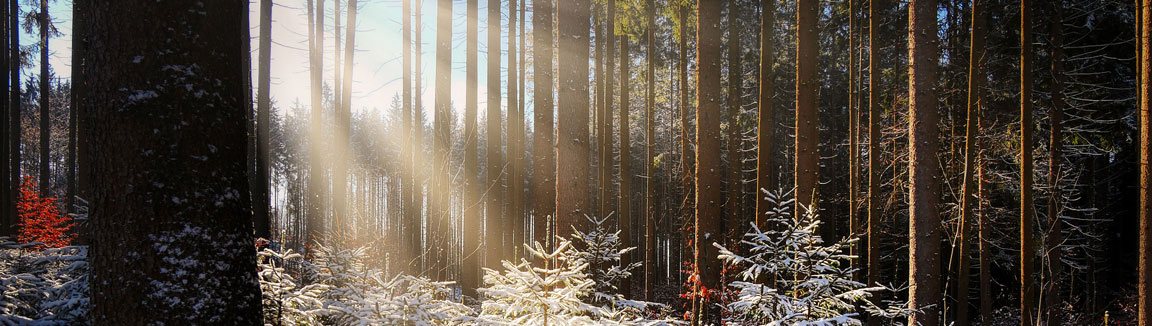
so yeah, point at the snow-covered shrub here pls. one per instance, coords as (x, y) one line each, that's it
(601, 248)
(358, 295)
(405, 299)
(790, 276)
(285, 301)
(528, 295)
(48, 287)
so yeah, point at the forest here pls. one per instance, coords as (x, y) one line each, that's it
(576, 162)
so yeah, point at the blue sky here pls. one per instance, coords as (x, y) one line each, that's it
(377, 67)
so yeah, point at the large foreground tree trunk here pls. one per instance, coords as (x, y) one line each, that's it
(543, 150)
(709, 212)
(572, 131)
(170, 216)
(923, 166)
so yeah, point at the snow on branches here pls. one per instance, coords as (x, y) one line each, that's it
(790, 276)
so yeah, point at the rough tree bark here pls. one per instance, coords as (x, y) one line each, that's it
(923, 166)
(1145, 286)
(262, 221)
(470, 271)
(807, 87)
(765, 128)
(493, 190)
(543, 150)
(709, 212)
(187, 218)
(572, 131)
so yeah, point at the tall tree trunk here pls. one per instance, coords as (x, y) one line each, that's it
(343, 123)
(1053, 293)
(411, 210)
(687, 166)
(14, 108)
(522, 223)
(765, 128)
(923, 168)
(543, 150)
(45, 108)
(606, 205)
(572, 131)
(976, 80)
(443, 136)
(8, 220)
(316, 175)
(493, 189)
(874, 208)
(709, 212)
(470, 272)
(807, 87)
(735, 106)
(1027, 208)
(1145, 263)
(337, 81)
(598, 95)
(419, 169)
(515, 154)
(203, 224)
(261, 204)
(625, 204)
(649, 165)
(853, 142)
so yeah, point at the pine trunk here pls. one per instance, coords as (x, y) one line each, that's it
(494, 223)
(976, 80)
(142, 246)
(807, 87)
(765, 128)
(709, 212)
(874, 203)
(470, 271)
(443, 136)
(1027, 209)
(45, 108)
(649, 164)
(1145, 263)
(572, 131)
(543, 150)
(924, 168)
(625, 204)
(316, 175)
(261, 204)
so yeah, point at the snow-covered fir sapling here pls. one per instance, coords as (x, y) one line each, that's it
(43, 287)
(359, 295)
(528, 295)
(601, 248)
(790, 276)
(285, 301)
